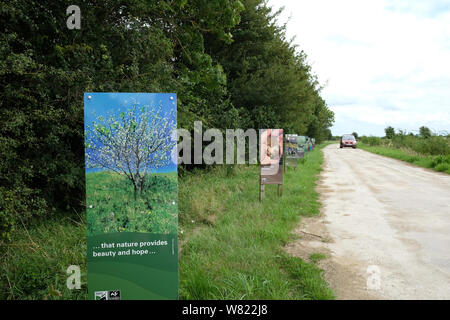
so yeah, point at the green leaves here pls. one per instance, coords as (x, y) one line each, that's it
(133, 125)
(268, 81)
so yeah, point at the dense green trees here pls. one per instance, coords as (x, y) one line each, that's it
(268, 79)
(390, 132)
(228, 62)
(425, 132)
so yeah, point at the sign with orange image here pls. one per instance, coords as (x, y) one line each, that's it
(271, 159)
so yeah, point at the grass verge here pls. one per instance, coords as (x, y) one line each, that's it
(34, 264)
(233, 243)
(439, 163)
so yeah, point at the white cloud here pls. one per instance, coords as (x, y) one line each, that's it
(385, 62)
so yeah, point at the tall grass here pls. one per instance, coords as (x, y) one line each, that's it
(233, 243)
(34, 264)
(434, 145)
(432, 152)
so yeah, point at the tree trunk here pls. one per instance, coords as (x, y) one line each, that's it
(142, 184)
(142, 188)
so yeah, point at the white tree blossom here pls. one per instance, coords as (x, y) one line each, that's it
(133, 144)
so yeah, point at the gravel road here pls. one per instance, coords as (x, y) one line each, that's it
(385, 226)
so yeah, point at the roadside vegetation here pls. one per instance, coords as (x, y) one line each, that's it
(34, 265)
(230, 243)
(424, 149)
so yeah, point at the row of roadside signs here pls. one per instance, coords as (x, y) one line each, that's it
(295, 147)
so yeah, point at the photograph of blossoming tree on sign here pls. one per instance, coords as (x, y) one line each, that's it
(131, 180)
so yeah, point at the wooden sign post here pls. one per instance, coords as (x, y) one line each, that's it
(271, 156)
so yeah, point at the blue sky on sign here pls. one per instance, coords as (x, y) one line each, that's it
(105, 104)
(382, 62)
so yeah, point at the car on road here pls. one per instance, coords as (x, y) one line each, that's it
(348, 140)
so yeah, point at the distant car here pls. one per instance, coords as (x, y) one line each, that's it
(348, 140)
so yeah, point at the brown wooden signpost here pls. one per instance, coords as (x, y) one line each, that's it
(271, 157)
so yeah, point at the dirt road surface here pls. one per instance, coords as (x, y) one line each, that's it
(384, 226)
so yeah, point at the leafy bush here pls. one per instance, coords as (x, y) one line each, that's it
(372, 141)
(443, 167)
(441, 159)
(17, 206)
(434, 145)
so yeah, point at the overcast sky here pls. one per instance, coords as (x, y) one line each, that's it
(384, 62)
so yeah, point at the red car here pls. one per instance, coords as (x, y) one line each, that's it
(348, 140)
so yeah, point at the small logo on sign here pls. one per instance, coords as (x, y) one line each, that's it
(101, 295)
(114, 295)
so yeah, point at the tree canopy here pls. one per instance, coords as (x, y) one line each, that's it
(390, 132)
(424, 132)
